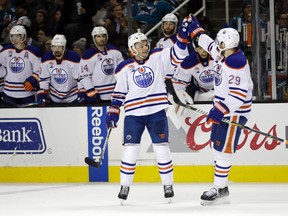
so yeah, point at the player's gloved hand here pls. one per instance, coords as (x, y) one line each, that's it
(183, 33)
(82, 97)
(184, 97)
(31, 83)
(217, 112)
(195, 29)
(112, 117)
(92, 96)
(42, 97)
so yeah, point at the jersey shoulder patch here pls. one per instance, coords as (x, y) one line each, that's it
(47, 56)
(190, 61)
(72, 56)
(89, 53)
(237, 60)
(35, 50)
(123, 64)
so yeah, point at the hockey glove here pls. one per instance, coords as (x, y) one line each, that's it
(112, 117)
(217, 112)
(31, 83)
(195, 29)
(42, 97)
(92, 96)
(184, 97)
(183, 33)
(82, 97)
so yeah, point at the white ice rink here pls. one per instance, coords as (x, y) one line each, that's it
(94, 199)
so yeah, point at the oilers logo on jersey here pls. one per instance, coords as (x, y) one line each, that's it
(107, 66)
(16, 65)
(217, 75)
(207, 76)
(143, 77)
(59, 75)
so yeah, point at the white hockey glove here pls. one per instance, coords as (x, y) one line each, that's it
(184, 97)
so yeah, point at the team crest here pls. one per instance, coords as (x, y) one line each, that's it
(207, 76)
(17, 64)
(107, 66)
(143, 77)
(218, 76)
(59, 75)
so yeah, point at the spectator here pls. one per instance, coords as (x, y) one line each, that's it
(40, 21)
(47, 44)
(79, 46)
(7, 13)
(117, 27)
(77, 25)
(149, 13)
(244, 28)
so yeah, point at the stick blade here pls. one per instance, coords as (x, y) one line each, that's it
(92, 163)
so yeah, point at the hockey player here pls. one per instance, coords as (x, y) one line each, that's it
(233, 99)
(58, 77)
(140, 88)
(2, 76)
(198, 67)
(169, 27)
(97, 67)
(22, 62)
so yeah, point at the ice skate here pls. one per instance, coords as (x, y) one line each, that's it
(123, 194)
(215, 196)
(168, 192)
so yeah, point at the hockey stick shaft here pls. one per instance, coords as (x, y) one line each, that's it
(98, 163)
(171, 90)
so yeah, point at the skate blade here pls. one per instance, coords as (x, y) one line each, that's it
(169, 200)
(122, 201)
(219, 201)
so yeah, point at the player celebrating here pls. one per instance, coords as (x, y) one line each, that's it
(198, 67)
(169, 29)
(233, 99)
(140, 88)
(97, 68)
(22, 63)
(58, 77)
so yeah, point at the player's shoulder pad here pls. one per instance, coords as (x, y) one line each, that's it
(89, 53)
(72, 56)
(190, 61)
(8, 46)
(155, 50)
(47, 56)
(35, 50)
(237, 60)
(122, 64)
(111, 47)
(174, 38)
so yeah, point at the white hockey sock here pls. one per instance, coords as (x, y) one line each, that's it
(164, 161)
(128, 163)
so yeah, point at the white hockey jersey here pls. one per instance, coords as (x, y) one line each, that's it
(140, 85)
(233, 84)
(60, 77)
(19, 65)
(194, 68)
(2, 74)
(166, 42)
(97, 70)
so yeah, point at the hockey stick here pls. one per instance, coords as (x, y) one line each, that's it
(98, 163)
(29, 104)
(172, 91)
